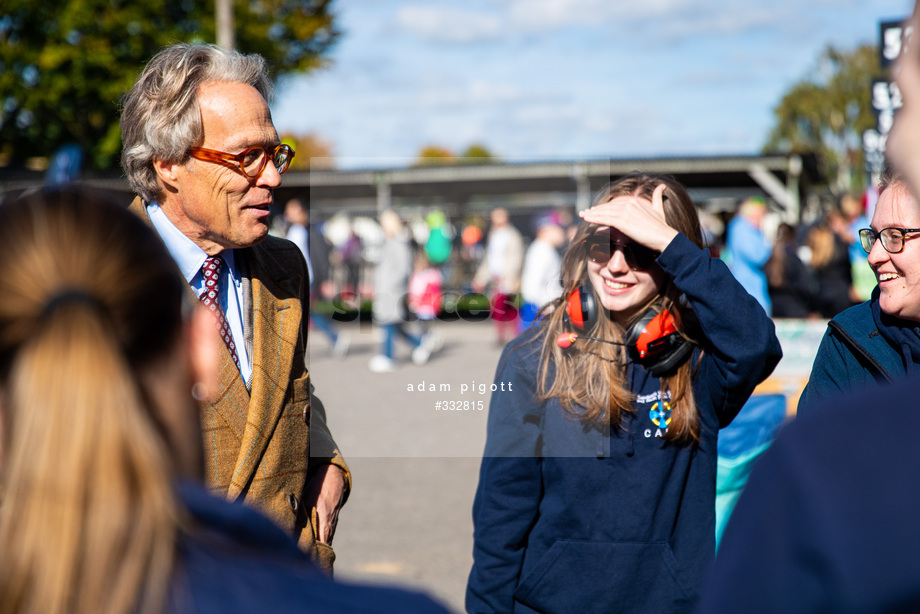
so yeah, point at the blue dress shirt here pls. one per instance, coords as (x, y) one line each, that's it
(190, 258)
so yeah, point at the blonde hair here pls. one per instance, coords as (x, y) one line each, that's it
(591, 384)
(88, 299)
(821, 242)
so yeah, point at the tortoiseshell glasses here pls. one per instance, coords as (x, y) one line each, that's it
(250, 162)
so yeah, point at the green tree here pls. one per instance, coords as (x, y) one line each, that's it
(827, 112)
(435, 154)
(65, 64)
(477, 153)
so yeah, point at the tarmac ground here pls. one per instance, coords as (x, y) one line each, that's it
(414, 454)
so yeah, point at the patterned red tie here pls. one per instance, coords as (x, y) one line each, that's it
(210, 270)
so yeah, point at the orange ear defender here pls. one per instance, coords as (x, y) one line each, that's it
(653, 340)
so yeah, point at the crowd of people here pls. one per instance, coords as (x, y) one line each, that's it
(163, 448)
(813, 270)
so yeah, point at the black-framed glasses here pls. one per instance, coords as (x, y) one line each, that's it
(892, 238)
(638, 257)
(251, 162)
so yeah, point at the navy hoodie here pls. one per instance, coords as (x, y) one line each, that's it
(827, 521)
(233, 559)
(570, 518)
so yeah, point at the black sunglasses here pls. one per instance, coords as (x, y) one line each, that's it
(638, 257)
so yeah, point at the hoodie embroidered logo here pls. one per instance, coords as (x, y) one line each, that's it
(660, 414)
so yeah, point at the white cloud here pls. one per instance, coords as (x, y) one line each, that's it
(477, 92)
(448, 24)
(664, 19)
(553, 14)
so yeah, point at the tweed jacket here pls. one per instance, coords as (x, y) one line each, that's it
(262, 442)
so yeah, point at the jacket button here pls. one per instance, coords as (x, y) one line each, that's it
(294, 503)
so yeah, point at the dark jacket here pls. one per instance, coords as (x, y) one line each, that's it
(853, 355)
(795, 297)
(825, 521)
(834, 281)
(236, 560)
(570, 518)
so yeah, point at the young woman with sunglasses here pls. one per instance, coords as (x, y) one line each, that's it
(876, 341)
(597, 486)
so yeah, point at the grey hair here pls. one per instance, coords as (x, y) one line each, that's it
(160, 118)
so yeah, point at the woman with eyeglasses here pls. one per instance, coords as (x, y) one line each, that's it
(597, 487)
(877, 341)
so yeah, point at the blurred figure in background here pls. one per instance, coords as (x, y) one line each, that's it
(540, 279)
(830, 263)
(391, 289)
(315, 250)
(101, 349)
(425, 296)
(501, 269)
(472, 248)
(352, 256)
(749, 251)
(862, 275)
(788, 279)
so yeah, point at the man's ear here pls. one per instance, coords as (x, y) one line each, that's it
(204, 352)
(167, 173)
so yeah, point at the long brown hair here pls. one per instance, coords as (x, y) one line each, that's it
(88, 299)
(822, 243)
(591, 384)
(775, 268)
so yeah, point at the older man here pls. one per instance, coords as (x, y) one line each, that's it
(203, 156)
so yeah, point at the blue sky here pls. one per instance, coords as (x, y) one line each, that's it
(565, 79)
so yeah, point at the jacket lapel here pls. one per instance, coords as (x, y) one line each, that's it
(231, 405)
(276, 326)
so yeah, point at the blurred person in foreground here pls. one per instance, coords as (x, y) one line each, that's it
(598, 483)
(101, 456)
(500, 269)
(903, 146)
(877, 341)
(201, 152)
(824, 522)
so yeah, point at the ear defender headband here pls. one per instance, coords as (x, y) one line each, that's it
(653, 340)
